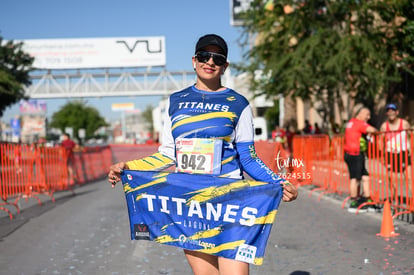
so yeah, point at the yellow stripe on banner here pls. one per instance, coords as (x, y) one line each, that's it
(258, 261)
(207, 233)
(161, 175)
(128, 189)
(164, 228)
(140, 196)
(204, 117)
(206, 194)
(225, 246)
(165, 239)
(268, 219)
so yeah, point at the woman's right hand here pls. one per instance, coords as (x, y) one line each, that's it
(115, 170)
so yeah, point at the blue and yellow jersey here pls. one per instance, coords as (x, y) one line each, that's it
(224, 115)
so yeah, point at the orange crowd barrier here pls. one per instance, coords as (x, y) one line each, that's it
(266, 152)
(317, 158)
(311, 154)
(388, 162)
(391, 169)
(281, 161)
(339, 170)
(28, 171)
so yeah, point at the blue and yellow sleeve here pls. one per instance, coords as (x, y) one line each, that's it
(254, 166)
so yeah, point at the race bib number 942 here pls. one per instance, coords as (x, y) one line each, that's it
(199, 155)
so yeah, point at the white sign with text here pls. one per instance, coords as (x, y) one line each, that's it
(82, 53)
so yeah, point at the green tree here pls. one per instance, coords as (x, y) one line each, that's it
(272, 116)
(147, 115)
(15, 66)
(318, 49)
(78, 115)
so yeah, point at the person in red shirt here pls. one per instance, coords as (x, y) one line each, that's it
(278, 134)
(355, 157)
(69, 145)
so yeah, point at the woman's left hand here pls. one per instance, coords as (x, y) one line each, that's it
(290, 193)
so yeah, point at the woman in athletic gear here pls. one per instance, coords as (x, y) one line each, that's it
(208, 112)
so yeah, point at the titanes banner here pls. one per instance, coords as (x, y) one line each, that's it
(225, 217)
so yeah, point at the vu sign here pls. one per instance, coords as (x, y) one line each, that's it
(86, 53)
(146, 42)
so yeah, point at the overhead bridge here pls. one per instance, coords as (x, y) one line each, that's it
(107, 82)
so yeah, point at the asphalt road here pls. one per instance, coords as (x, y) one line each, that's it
(87, 232)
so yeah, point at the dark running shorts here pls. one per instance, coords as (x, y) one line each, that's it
(397, 162)
(70, 161)
(356, 166)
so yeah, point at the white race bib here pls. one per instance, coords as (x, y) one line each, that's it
(199, 155)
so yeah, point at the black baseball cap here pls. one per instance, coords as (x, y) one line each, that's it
(391, 106)
(212, 39)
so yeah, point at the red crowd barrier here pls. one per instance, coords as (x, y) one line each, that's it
(339, 171)
(391, 169)
(315, 159)
(388, 163)
(267, 151)
(27, 171)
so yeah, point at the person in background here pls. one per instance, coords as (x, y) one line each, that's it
(41, 142)
(355, 158)
(278, 134)
(397, 146)
(69, 146)
(290, 133)
(316, 130)
(17, 148)
(231, 121)
(336, 129)
(308, 127)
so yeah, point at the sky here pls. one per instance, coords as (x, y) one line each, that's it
(181, 22)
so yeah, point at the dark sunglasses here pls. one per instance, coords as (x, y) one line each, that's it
(204, 56)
